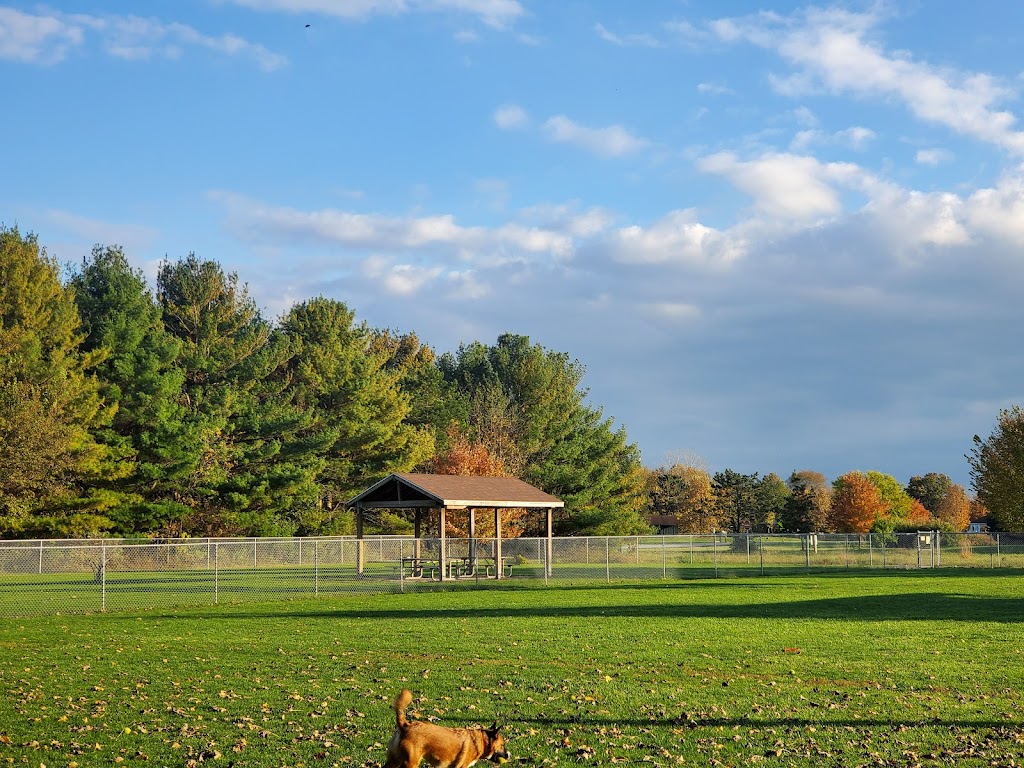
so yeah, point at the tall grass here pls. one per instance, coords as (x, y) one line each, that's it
(858, 669)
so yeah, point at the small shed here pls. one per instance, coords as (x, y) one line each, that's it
(441, 493)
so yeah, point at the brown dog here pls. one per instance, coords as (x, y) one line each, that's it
(440, 747)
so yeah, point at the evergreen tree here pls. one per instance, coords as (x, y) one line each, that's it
(258, 450)
(352, 379)
(808, 506)
(526, 404)
(140, 374)
(49, 403)
(736, 496)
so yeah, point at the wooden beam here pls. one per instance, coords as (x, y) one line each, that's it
(359, 539)
(497, 543)
(443, 554)
(550, 548)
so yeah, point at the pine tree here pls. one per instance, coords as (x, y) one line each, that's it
(49, 403)
(257, 450)
(351, 378)
(527, 405)
(141, 375)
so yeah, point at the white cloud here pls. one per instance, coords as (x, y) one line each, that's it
(907, 220)
(676, 238)
(856, 138)
(511, 116)
(786, 186)
(999, 211)
(613, 141)
(932, 156)
(568, 218)
(715, 89)
(805, 117)
(830, 48)
(381, 233)
(494, 13)
(38, 39)
(643, 40)
(47, 39)
(466, 285)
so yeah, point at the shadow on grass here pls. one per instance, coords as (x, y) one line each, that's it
(801, 723)
(934, 606)
(675, 603)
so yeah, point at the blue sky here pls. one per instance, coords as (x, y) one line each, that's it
(783, 238)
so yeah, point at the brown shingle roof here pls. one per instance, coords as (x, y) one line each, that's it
(461, 491)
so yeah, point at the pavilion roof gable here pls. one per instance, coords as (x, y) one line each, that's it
(409, 490)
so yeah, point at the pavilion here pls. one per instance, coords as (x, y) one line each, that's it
(442, 493)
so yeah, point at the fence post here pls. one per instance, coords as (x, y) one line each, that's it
(714, 544)
(664, 563)
(103, 576)
(40, 556)
(807, 551)
(999, 555)
(316, 567)
(747, 537)
(871, 552)
(760, 549)
(846, 542)
(254, 540)
(216, 571)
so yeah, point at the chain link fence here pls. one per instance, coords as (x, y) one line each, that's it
(81, 576)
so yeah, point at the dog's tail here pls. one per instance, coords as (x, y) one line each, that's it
(402, 702)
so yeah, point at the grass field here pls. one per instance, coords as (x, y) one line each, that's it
(877, 669)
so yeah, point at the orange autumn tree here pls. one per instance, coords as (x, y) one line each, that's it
(918, 513)
(955, 508)
(856, 503)
(463, 456)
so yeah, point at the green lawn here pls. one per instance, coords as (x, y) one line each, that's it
(876, 669)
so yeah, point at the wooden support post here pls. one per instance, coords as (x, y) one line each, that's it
(550, 548)
(417, 548)
(497, 543)
(443, 552)
(359, 540)
(472, 540)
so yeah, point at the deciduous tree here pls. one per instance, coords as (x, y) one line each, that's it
(856, 503)
(997, 470)
(896, 500)
(770, 496)
(955, 508)
(463, 456)
(930, 489)
(685, 492)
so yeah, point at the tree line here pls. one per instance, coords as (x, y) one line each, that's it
(857, 502)
(182, 410)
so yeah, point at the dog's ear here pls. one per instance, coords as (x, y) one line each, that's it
(494, 728)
